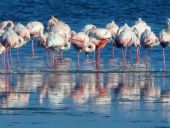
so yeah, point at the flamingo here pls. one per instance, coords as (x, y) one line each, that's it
(87, 28)
(125, 38)
(23, 34)
(164, 38)
(78, 41)
(34, 28)
(113, 28)
(65, 28)
(103, 35)
(65, 35)
(9, 39)
(22, 31)
(139, 27)
(53, 41)
(149, 39)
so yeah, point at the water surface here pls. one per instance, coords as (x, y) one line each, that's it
(32, 94)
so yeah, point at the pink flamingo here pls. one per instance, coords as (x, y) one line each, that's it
(101, 37)
(53, 41)
(62, 28)
(125, 38)
(78, 41)
(88, 28)
(23, 34)
(9, 39)
(139, 27)
(148, 40)
(113, 28)
(164, 38)
(34, 28)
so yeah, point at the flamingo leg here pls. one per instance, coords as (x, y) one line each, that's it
(32, 48)
(163, 56)
(137, 54)
(113, 52)
(8, 64)
(98, 59)
(146, 58)
(4, 58)
(124, 56)
(130, 53)
(11, 59)
(47, 53)
(17, 56)
(78, 60)
(52, 59)
(61, 55)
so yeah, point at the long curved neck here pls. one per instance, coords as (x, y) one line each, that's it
(168, 27)
(4, 24)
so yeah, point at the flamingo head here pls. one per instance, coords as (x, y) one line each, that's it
(89, 47)
(52, 21)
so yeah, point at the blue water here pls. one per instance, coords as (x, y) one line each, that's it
(34, 95)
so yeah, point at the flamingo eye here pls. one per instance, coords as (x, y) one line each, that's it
(89, 46)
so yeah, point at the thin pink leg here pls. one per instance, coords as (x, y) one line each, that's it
(52, 59)
(78, 60)
(61, 55)
(130, 52)
(2, 58)
(146, 58)
(98, 59)
(47, 57)
(11, 59)
(32, 48)
(124, 56)
(55, 58)
(9, 66)
(113, 52)
(137, 54)
(163, 56)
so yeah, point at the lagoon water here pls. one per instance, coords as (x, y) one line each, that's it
(32, 94)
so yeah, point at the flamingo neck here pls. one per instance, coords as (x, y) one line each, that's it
(102, 43)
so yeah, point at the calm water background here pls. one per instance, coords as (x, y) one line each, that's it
(42, 98)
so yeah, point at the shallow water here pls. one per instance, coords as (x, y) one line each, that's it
(32, 94)
(84, 100)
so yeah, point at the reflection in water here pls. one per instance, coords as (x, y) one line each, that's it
(90, 92)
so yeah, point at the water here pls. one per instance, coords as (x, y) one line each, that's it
(32, 94)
